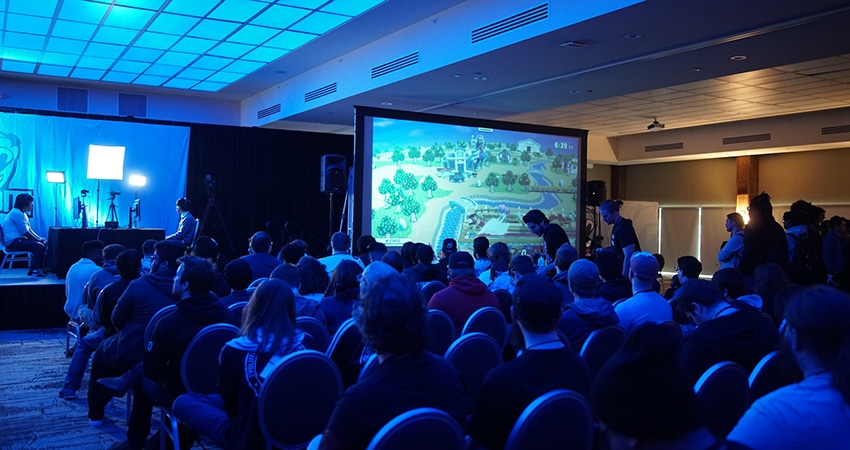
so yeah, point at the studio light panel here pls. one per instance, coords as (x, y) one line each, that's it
(182, 44)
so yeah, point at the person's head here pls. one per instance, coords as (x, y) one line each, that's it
(609, 210)
(818, 327)
(609, 265)
(24, 202)
(340, 242)
(269, 316)
(794, 218)
(449, 247)
(661, 261)
(363, 243)
(111, 252)
(813, 214)
(461, 264)
(312, 275)
(838, 223)
(643, 268)
(760, 206)
(183, 205)
(564, 257)
(536, 304)
(376, 250)
(480, 246)
(260, 242)
(194, 276)
(129, 263)
(731, 282)
(499, 251)
(406, 252)
(536, 221)
(288, 273)
(642, 394)
(734, 222)
(291, 253)
(583, 278)
(344, 278)
(93, 250)
(165, 254)
(424, 254)
(206, 248)
(238, 274)
(147, 247)
(688, 268)
(394, 259)
(700, 300)
(390, 316)
(522, 265)
(769, 276)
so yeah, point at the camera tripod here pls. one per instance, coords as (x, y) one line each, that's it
(111, 215)
(211, 204)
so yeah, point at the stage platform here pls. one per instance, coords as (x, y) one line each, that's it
(28, 303)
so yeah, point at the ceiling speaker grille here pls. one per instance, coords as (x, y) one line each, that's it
(398, 64)
(503, 26)
(835, 130)
(268, 111)
(74, 100)
(663, 147)
(321, 92)
(132, 105)
(745, 139)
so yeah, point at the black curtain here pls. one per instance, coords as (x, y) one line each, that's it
(263, 178)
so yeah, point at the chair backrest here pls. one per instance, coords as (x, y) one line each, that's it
(297, 399)
(430, 288)
(490, 321)
(420, 429)
(442, 331)
(557, 420)
(772, 373)
(505, 301)
(672, 325)
(473, 355)
(199, 367)
(345, 349)
(253, 286)
(237, 309)
(722, 395)
(600, 345)
(317, 331)
(165, 311)
(370, 365)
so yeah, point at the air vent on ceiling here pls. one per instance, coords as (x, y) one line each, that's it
(663, 147)
(321, 92)
(398, 64)
(503, 26)
(132, 105)
(745, 139)
(268, 111)
(74, 100)
(835, 130)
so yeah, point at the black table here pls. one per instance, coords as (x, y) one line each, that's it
(63, 244)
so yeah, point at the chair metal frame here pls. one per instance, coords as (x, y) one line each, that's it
(593, 338)
(12, 256)
(473, 324)
(520, 429)
(315, 325)
(707, 379)
(383, 439)
(439, 315)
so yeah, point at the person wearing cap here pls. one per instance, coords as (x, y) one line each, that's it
(340, 244)
(588, 312)
(449, 247)
(553, 235)
(545, 364)
(465, 293)
(565, 257)
(645, 305)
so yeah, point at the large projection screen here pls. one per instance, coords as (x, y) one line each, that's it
(425, 177)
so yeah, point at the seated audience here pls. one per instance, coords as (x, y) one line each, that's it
(500, 273)
(480, 245)
(291, 253)
(564, 258)
(834, 250)
(770, 279)
(449, 247)
(362, 247)
(544, 365)
(147, 251)
(343, 292)
(340, 246)
(79, 275)
(239, 276)
(304, 306)
(614, 285)
(207, 248)
(395, 260)
(588, 312)
(465, 293)
(259, 256)
(425, 269)
(814, 413)
(687, 268)
(107, 274)
(408, 252)
(376, 252)
(392, 322)
(313, 280)
(499, 251)
(646, 305)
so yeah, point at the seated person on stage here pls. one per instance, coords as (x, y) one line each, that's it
(19, 237)
(259, 255)
(340, 243)
(342, 294)
(229, 417)
(207, 248)
(814, 413)
(588, 312)
(79, 275)
(392, 321)
(238, 275)
(186, 227)
(545, 364)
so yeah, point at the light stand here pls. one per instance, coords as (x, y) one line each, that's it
(82, 204)
(56, 178)
(106, 162)
(112, 214)
(135, 210)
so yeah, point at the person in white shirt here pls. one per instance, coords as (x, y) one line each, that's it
(19, 236)
(340, 243)
(645, 305)
(730, 253)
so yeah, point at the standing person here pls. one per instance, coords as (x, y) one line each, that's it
(186, 228)
(731, 251)
(623, 236)
(833, 250)
(553, 235)
(764, 238)
(20, 237)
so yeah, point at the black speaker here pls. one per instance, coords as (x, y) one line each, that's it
(595, 192)
(334, 174)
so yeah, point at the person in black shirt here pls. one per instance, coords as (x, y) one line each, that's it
(553, 235)
(623, 236)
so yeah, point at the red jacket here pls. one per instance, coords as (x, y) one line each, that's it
(464, 296)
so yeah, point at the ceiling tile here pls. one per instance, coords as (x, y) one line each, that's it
(196, 74)
(27, 24)
(213, 29)
(210, 86)
(265, 55)
(279, 16)
(172, 24)
(198, 8)
(87, 74)
(230, 50)
(237, 10)
(54, 71)
(83, 11)
(124, 17)
(142, 54)
(250, 34)
(163, 70)
(290, 40)
(350, 7)
(180, 83)
(150, 80)
(113, 35)
(73, 30)
(319, 23)
(19, 66)
(193, 45)
(59, 59)
(92, 62)
(211, 62)
(43, 8)
(104, 50)
(158, 41)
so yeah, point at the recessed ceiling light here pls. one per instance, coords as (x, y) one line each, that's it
(738, 58)
(457, 75)
(479, 77)
(574, 44)
(574, 91)
(697, 69)
(633, 36)
(386, 103)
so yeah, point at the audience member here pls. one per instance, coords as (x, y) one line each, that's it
(614, 285)
(291, 253)
(465, 293)
(449, 247)
(129, 263)
(623, 236)
(646, 305)
(363, 243)
(731, 250)
(313, 278)
(261, 261)
(408, 252)
(480, 245)
(239, 276)
(425, 269)
(553, 235)
(499, 251)
(79, 275)
(500, 272)
(340, 245)
(395, 260)
(564, 258)
(343, 292)
(107, 274)
(687, 268)
(20, 237)
(304, 306)
(185, 233)
(376, 252)
(588, 311)
(834, 248)
(770, 279)
(764, 239)
(814, 413)
(207, 248)
(392, 322)
(545, 364)
(147, 253)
